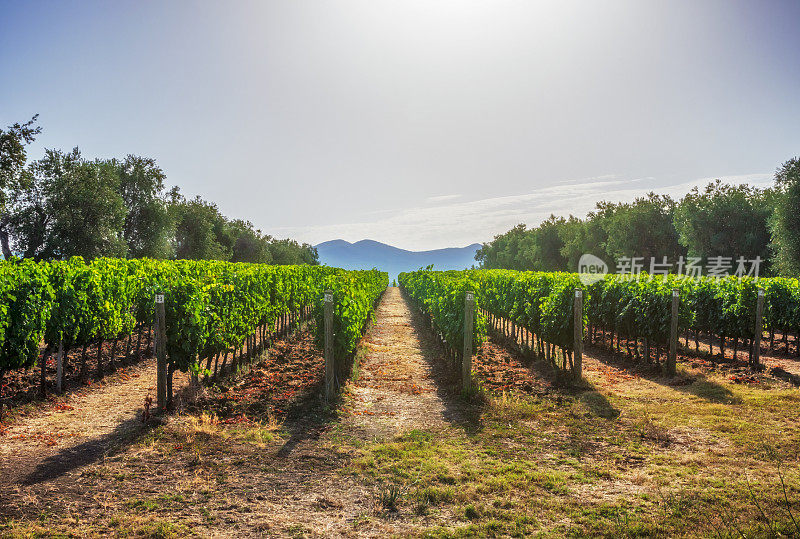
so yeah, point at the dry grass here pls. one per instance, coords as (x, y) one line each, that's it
(632, 454)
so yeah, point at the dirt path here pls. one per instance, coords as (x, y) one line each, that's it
(395, 391)
(300, 481)
(58, 439)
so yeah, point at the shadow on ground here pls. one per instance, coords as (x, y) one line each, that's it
(556, 381)
(696, 384)
(459, 410)
(68, 459)
(254, 392)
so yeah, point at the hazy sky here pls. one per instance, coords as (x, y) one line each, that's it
(419, 123)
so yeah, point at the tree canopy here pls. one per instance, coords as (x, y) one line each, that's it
(725, 220)
(785, 222)
(719, 220)
(64, 205)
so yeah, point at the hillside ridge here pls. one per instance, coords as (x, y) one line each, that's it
(367, 253)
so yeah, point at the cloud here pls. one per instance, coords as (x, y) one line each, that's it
(459, 223)
(441, 198)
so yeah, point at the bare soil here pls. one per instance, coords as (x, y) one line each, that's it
(395, 391)
(260, 452)
(403, 453)
(22, 387)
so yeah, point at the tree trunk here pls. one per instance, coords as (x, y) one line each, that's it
(128, 347)
(64, 357)
(43, 378)
(2, 375)
(84, 366)
(139, 343)
(4, 240)
(100, 358)
(112, 367)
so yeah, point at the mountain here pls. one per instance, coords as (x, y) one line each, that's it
(368, 254)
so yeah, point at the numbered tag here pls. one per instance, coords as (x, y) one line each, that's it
(159, 298)
(675, 293)
(470, 296)
(578, 293)
(328, 298)
(761, 292)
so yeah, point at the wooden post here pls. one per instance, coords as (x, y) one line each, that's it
(466, 360)
(757, 337)
(329, 359)
(577, 365)
(161, 355)
(673, 333)
(60, 366)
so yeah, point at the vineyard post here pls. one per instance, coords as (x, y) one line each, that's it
(757, 339)
(466, 363)
(577, 365)
(161, 355)
(673, 333)
(59, 366)
(329, 363)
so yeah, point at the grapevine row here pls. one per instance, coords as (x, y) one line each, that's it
(638, 311)
(212, 308)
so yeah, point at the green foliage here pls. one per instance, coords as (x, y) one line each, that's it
(199, 227)
(210, 306)
(633, 308)
(14, 178)
(64, 205)
(26, 299)
(354, 296)
(443, 296)
(541, 302)
(782, 304)
(643, 228)
(785, 222)
(721, 220)
(203, 233)
(72, 207)
(13, 156)
(148, 226)
(724, 220)
(521, 249)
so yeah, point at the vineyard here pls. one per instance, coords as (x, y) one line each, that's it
(214, 310)
(487, 403)
(537, 308)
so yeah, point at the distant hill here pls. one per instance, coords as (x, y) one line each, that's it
(367, 254)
